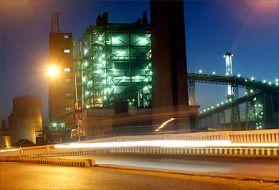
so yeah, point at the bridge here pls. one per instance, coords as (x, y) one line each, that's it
(259, 105)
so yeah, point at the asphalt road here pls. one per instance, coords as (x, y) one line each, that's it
(27, 176)
(239, 167)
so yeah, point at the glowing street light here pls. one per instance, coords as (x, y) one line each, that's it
(53, 71)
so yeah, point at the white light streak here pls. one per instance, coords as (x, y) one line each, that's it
(164, 124)
(163, 144)
(10, 150)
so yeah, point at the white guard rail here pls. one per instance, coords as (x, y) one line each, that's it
(262, 137)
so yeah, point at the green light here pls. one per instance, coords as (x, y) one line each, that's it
(120, 53)
(100, 38)
(115, 40)
(54, 125)
(83, 79)
(143, 41)
(85, 51)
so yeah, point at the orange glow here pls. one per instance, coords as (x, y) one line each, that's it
(264, 5)
(53, 71)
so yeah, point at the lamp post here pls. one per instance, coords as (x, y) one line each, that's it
(78, 108)
(53, 72)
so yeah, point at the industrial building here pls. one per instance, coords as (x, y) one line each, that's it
(116, 71)
(117, 57)
(62, 87)
(113, 76)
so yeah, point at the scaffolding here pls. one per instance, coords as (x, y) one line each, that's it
(116, 64)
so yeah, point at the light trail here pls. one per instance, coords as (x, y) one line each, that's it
(164, 124)
(10, 150)
(164, 144)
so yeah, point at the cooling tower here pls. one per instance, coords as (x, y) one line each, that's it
(26, 118)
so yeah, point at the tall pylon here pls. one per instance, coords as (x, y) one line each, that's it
(228, 60)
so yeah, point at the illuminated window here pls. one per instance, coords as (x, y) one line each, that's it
(67, 69)
(66, 51)
(68, 95)
(66, 36)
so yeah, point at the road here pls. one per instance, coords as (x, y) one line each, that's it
(239, 167)
(27, 176)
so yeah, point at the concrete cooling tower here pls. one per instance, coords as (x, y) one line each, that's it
(26, 118)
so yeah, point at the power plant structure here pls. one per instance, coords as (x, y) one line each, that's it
(114, 74)
(26, 119)
(116, 57)
(128, 78)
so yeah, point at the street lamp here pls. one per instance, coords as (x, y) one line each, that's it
(53, 71)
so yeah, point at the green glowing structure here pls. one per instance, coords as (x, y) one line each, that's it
(116, 64)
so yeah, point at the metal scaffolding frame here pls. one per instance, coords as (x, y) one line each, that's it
(116, 57)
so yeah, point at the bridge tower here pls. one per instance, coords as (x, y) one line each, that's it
(232, 91)
(228, 60)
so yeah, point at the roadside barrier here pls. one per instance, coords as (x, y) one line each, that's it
(236, 137)
(52, 161)
(222, 151)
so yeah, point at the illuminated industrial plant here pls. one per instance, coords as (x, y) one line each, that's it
(115, 58)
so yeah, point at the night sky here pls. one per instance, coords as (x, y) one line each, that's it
(250, 29)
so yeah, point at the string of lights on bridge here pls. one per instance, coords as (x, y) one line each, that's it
(275, 83)
(230, 100)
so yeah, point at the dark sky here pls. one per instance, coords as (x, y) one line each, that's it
(250, 29)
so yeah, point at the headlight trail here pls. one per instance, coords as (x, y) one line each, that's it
(164, 144)
(10, 150)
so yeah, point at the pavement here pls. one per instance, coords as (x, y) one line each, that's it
(29, 176)
(252, 168)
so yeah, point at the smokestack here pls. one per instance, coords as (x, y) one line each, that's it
(170, 87)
